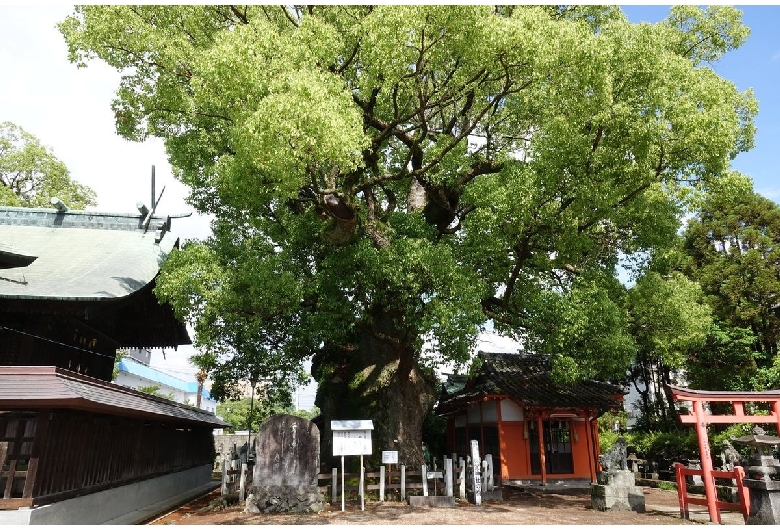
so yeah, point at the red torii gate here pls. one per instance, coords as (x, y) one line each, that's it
(701, 418)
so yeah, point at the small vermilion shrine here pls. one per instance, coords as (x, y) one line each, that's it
(536, 429)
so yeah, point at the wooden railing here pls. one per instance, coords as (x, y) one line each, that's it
(737, 476)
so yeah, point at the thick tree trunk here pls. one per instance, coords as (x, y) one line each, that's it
(381, 382)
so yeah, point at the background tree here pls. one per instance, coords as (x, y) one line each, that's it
(244, 413)
(668, 320)
(154, 390)
(733, 249)
(30, 175)
(387, 178)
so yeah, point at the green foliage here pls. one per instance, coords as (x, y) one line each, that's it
(668, 320)
(246, 412)
(385, 177)
(120, 354)
(30, 175)
(733, 251)
(154, 390)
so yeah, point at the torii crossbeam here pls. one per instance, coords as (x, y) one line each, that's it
(701, 418)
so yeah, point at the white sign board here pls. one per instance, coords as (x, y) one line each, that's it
(352, 438)
(389, 457)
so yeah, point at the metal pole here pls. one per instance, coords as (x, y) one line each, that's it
(362, 493)
(343, 476)
(153, 197)
(249, 423)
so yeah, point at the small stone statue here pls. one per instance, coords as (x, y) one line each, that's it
(615, 458)
(730, 456)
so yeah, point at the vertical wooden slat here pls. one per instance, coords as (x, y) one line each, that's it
(3, 455)
(9, 481)
(82, 446)
(39, 443)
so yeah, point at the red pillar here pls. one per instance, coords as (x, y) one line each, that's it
(592, 459)
(542, 453)
(706, 462)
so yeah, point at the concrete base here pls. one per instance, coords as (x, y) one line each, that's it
(486, 496)
(435, 501)
(764, 502)
(125, 505)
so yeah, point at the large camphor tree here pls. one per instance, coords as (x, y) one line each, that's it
(387, 179)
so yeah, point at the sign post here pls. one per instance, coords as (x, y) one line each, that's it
(352, 438)
(389, 458)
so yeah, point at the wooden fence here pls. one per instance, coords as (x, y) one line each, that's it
(390, 481)
(397, 481)
(737, 476)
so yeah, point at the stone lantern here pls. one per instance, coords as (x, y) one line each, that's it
(761, 478)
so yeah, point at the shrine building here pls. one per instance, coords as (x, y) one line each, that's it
(537, 431)
(76, 286)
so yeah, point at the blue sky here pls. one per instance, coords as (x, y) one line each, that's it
(68, 109)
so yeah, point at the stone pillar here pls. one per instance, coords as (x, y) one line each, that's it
(764, 501)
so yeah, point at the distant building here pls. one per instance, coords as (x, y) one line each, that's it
(136, 375)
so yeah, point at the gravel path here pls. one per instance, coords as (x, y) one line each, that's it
(517, 508)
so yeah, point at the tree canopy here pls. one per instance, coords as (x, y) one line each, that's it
(733, 251)
(385, 179)
(30, 174)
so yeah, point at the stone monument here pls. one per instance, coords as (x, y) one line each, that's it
(284, 478)
(616, 487)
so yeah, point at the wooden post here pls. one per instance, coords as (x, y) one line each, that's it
(462, 478)
(424, 477)
(706, 462)
(542, 453)
(776, 412)
(3, 456)
(589, 448)
(403, 483)
(334, 485)
(39, 443)
(381, 483)
(242, 483)
(742, 491)
(448, 485)
(682, 492)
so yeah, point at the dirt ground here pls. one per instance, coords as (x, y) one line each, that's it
(516, 508)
